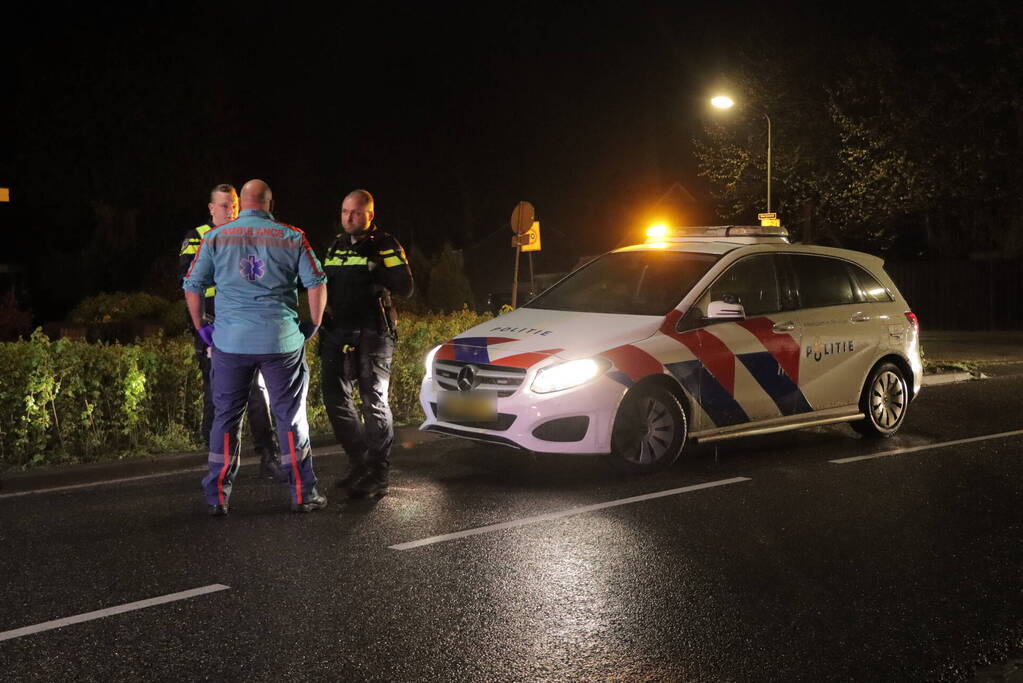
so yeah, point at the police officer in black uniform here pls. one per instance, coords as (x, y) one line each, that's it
(223, 209)
(365, 266)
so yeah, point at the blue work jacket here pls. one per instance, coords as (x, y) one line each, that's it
(256, 264)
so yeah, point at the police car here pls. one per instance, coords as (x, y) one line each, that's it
(704, 334)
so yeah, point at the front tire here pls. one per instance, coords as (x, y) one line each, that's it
(650, 431)
(884, 402)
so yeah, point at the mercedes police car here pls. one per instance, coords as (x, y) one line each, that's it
(703, 334)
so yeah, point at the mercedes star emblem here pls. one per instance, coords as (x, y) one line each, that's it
(467, 379)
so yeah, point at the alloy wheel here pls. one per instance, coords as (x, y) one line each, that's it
(887, 399)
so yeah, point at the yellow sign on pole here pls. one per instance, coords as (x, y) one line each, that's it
(770, 222)
(531, 239)
(5, 194)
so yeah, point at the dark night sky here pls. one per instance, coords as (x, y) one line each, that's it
(450, 114)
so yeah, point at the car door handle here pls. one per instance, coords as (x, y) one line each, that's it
(859, 318)
(786, 326)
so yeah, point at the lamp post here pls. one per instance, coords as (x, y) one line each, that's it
(725, 102)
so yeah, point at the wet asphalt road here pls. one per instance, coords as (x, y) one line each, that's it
(901, 568)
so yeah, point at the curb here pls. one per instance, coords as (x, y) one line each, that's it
(948, 378)
(74, 476)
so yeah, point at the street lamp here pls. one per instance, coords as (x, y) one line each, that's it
(725, 102)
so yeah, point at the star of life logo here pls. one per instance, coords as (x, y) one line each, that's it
(252, 268)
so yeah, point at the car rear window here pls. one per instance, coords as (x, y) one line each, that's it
(822, 281)
(869, 290)
(631, 282)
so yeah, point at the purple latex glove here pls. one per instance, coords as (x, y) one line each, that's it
(206, 334)
(308, 329)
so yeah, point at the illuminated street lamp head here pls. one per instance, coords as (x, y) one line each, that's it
(723, 102)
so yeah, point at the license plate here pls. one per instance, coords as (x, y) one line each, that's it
(467, 406)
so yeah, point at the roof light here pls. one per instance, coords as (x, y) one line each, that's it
(717, 231)
(657, 231)
(756, 231)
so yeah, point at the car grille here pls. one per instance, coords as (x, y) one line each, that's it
(502, 379)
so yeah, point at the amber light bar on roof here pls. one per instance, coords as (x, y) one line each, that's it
(731, 231)
(718, 231)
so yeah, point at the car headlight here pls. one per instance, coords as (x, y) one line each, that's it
(429, 360)
(568, 375)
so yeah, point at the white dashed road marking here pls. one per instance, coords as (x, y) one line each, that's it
(926, 447)
(122, 480)
(564, 513)
(110, 611)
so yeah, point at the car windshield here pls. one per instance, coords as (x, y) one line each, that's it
(630, 282)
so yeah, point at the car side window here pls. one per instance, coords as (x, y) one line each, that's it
(752, 282)
(868, 289)
(822, 281)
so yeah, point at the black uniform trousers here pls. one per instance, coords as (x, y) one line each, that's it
(366, 438)
(263, 438)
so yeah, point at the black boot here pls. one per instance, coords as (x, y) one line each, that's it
(270, 465)
(355, 470)
(313, 502)
(372, 483)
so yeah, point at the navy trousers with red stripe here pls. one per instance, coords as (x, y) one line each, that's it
(286, 376)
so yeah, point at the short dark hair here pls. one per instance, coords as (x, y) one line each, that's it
(223, 187)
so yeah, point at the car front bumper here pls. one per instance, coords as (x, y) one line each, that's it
(577, 420)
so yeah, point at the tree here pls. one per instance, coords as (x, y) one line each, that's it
(732, 151)
(448, 288)
(905, 143)
(14, 321)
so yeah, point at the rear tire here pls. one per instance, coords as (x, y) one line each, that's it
(650, 431)
(884, 402)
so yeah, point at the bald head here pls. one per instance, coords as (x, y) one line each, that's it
(357, 212)
(256, 195)
(362, 197)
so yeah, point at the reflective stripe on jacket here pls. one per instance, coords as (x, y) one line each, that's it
(189, 248)
(361, 275)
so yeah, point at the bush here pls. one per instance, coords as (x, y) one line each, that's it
(75, 401)
(120, 306)
(123, 317)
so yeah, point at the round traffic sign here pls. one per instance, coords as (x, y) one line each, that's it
(522, 218)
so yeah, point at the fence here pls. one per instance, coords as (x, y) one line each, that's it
(963, 295)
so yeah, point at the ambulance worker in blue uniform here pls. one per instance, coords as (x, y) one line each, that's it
(257, 263)
(223, 208)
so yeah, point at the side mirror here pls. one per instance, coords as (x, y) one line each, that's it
(725, 310)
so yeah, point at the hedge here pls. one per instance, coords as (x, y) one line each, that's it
(74, 401)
